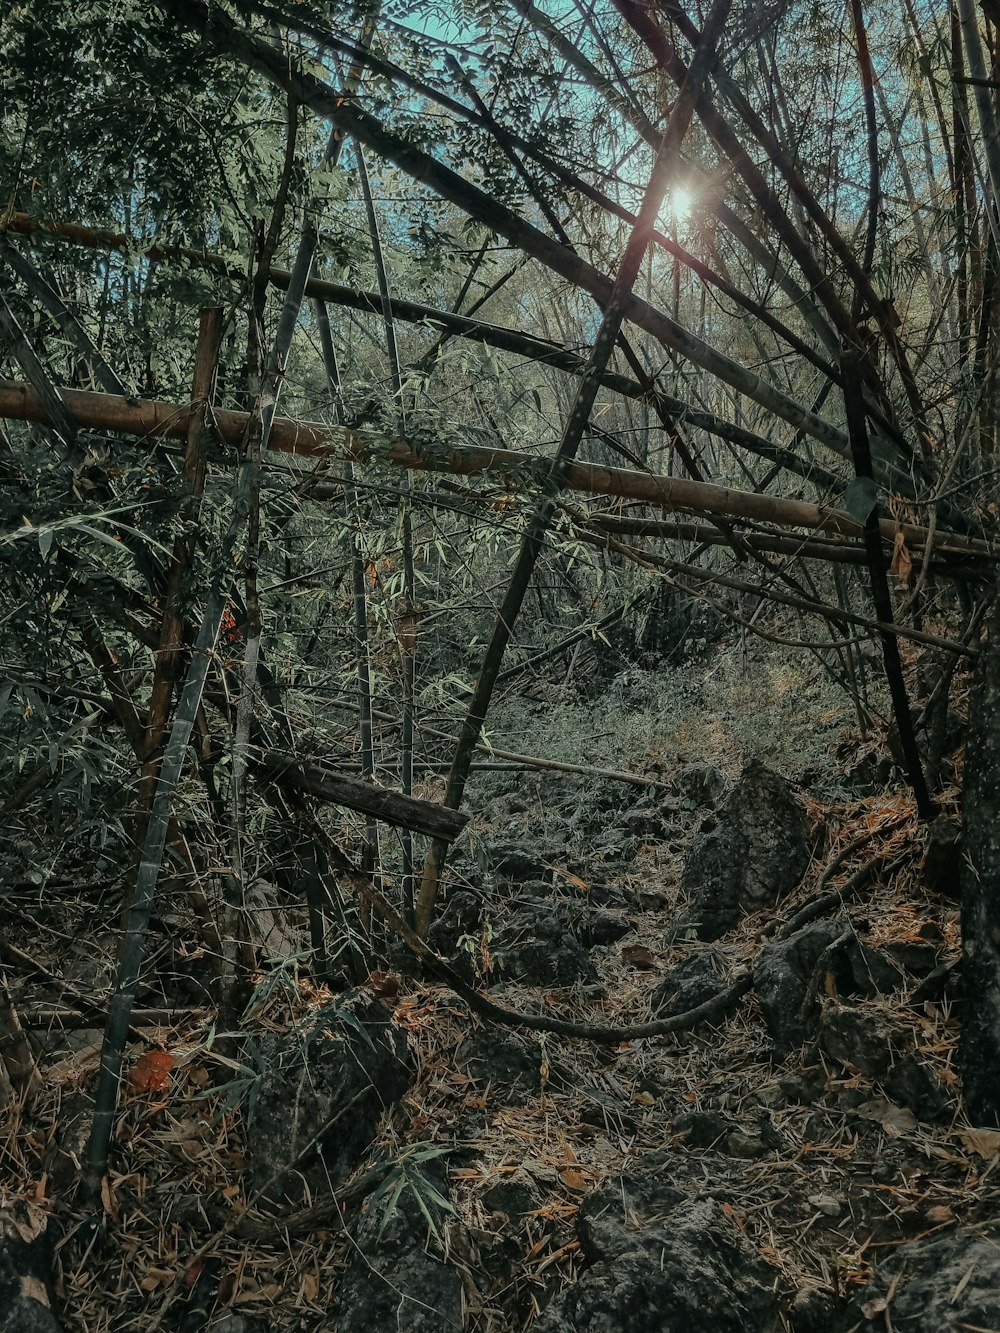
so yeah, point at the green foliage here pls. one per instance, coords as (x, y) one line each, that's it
(406, 1177)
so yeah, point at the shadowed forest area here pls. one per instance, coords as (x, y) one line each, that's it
(500, 666)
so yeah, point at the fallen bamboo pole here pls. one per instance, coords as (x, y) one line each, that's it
(408, 812)
(150, 417)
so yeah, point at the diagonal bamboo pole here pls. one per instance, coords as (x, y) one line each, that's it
(221, 32)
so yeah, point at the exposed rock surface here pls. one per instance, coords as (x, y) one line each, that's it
(941, 1284)
(538, 945)
(324, 1088)
(755, 850)
(782, 979)
(662, 1263)
(396, 1279)
(25, 1271)
(518, 861)
(700, 977)
(700, 784)
(787, 981)
(941, 867)
(502, 1056)
(862, 1041)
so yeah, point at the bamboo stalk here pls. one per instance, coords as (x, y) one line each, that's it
(219, 30)
(513, 341)
(313, 440)
(616, 306)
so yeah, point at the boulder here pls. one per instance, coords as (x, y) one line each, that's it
(516, 862)
(502, 1056)
(941, 1284)
(322, 1092)
(782, 978)
(537, 945)
(913, 1085)
(862, 1041)
(857, 1039)
(452, 934)
(397, 1278)
(755, 850)
(699, 785)
(941, 866)
(661, 1262)
(787, 985)
(699, 977)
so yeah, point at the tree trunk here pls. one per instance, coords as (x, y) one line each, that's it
(980, 1043)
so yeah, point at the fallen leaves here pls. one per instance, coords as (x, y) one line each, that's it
(895, 1120)
(902, 565)
(151, 1072)
(573, 1179)
(984, 1143)
(637, 955)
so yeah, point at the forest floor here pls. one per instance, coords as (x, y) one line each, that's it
(821, 1167)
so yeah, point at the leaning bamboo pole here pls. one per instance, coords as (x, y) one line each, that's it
(151, 417)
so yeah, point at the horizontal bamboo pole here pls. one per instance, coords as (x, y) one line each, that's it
(513, 341)
(409, 812)
(838, 551)
(144, 417)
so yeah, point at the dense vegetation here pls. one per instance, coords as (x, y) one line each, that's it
(411, 406)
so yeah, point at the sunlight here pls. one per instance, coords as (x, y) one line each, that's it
(677, 206)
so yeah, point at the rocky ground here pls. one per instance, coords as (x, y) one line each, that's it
(381, 1158)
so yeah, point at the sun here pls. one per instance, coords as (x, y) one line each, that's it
(677, 208)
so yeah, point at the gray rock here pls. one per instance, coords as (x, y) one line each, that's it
(786, 969)
(500, 1055)
(396, 1278)
(756, 851)
(517, 862)
(913, 1085)
(537, 945)
(700, 784)
(943, 983)
(856, 1039)
(662, 1263)
(323, 1091)
(462, 915)
(25, 1271)
(700, 977)
(781, 979)
(941, 867)
(941, 1284)
(862, 1041)
(811, 1311)
(703, 1129)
